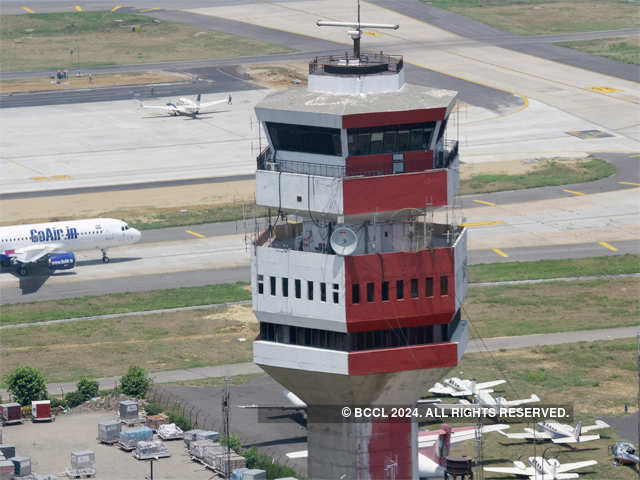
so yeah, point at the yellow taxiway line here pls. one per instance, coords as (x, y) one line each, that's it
(116, 8)
(482, 224)
(195, 234)
(575, 193)
(630, 183)
(609, 246)
(491, 204)
(28, 10)
(500, 252)
(78, 8)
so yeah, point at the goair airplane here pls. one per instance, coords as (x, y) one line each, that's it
(52, 244)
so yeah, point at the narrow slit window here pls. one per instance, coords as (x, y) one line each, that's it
(370, 292)
(285, 287)
(399, 289)
(429, 287)
(414, 288)
(309, 290)
(298, 288)
(444, 285)
(260, 284)
(336, 293)
(323, 292)
(272, 281)
(385, 291)
(355, 293)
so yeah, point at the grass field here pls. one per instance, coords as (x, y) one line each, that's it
(188, 296)
(626, 49)
(548, 173)
(594, 377)
(535, 17)
(101, 348)
(86, 39)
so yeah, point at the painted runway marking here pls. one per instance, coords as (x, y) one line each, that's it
(195, 234)
(491, 204)
(39, 179)
(28, 10)
(116, 8)
(634, 156)
(630, 183)
(61, 177)
(575, 193)
(500, 252)
(78, 8)
(604, 89)
(482, 224)
(609, 246)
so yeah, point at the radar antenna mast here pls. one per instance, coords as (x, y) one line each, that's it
(357, 29)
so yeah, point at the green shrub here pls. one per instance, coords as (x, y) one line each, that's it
(181, 421)
(233, 441)
(26, 384)
(58, 402)
(135, 382)
(153, 408)
(74, 399)
(88, 388)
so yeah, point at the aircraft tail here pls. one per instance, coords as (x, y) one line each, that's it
(198, 99)
(578, 430)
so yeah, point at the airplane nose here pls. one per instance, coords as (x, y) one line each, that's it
(136, 234)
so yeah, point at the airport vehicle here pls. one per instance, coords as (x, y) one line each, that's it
(485, 399)
(543, 469)
(53, 243)
(625, 453)
(434, 446)
(559, 432)
(186, 106)
(461, 387)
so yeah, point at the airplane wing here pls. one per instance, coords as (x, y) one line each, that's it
(275, 407)
(598, 425)
(514, 403)
(463, 393)
(527, 435)
(33, 253)
(565, 467)
(166, 108)
(559, 476)
(210, 104)
(527, 472)
(580, 439)
(487, 385)
(440, 389)
(428, 401)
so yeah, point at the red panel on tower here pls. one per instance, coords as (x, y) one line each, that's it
(395, 192)
(390, 439)
(381, 119)
(436, 355)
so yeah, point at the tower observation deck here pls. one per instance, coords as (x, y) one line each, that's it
(359, 297)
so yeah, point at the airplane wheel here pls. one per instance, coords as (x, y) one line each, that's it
(22, 271)
(105, 259)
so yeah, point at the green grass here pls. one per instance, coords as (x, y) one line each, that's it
(550, 173)
(85, 39)
(217, 381)
(586, 375)
(534, 17)
(626, 50)
(550, 307)
(122, 303)
(193, 216)
(541, 269)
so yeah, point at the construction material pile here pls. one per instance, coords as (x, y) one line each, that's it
(155, 421)
(130, 438)
(83, 463)
(153, 449)
(170, 431)
(109, 431)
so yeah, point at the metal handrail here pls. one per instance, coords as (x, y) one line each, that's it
(346, 61)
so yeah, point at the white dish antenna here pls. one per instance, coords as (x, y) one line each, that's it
(344, 241)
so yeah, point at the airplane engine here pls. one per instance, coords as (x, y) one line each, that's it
(62, 261)
(5, 260)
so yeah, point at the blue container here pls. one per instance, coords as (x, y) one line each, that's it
(139, 434)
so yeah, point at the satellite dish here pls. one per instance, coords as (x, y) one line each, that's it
(344, 241)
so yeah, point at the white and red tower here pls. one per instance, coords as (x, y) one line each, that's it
(357, 292)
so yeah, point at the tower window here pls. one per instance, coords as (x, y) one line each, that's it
(323, 292)
(429, 287)
(336, 293)
(272, 281)
(304, 138)
(370, 292)
(260, 284)
(444, 285)
(355, 293)
(385, 291)
(414, 288)
(298, 287)
(310, 290)
(399, 289)
(285, 287)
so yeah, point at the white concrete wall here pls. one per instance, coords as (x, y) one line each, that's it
(300, 358)
(355, 85)
(461, 337)
(461, 267)
(306, 266)
(318, 194)
(453, 179)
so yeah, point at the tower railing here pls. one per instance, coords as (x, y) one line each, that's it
(348, 64)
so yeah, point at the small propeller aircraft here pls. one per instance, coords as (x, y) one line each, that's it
(185, 106)
(460, 387)
(559, 432)
(543, 469)
(485, 399)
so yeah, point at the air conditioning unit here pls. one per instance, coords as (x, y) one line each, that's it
(271, 166)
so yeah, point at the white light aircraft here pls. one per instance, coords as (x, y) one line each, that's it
(185, 106)
(543, 469)
(460, 387)
(559, 432)
(485, 399)
(53, 243)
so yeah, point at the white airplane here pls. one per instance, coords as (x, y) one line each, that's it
(543, 469)
(52, 243)
(460, 387)
(296, 403)
(485, 399)
(185, 106)
(434, 446)
(559, 432)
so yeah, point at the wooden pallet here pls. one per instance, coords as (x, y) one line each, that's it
(126, 448)
(80, 473)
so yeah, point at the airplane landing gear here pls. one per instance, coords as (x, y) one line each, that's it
(22, 271)
(105, 259)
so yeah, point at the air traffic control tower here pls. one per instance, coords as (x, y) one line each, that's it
(356, 289)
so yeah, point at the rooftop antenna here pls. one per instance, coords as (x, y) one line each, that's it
(357, 29)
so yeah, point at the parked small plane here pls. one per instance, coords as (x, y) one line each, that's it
(543, 469)
(52, 243)
(460, 387)
(559, 432)
(485, 399)
(185, 106)
(434, 446)
(625, 453)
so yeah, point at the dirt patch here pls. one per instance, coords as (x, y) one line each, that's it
(236, 313)
(91, 81)
(511, 167)
(279, 77)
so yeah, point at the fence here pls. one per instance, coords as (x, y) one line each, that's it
(204, 419)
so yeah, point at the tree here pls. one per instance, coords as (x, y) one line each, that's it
(135, 382)
(26, 384)
(88, 388)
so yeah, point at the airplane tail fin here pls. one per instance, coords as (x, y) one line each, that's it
(198, 99)
(578, 430)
